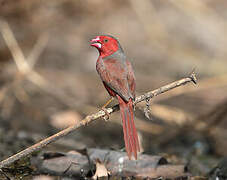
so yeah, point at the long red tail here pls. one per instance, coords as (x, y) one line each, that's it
(130, 133)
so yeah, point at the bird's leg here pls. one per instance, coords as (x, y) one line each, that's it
(107, 115)
(108, 102)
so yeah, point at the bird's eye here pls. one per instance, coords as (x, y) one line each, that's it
(106, 40)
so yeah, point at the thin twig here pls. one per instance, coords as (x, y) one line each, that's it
(91, 118)
(37, 49)
(15, 49)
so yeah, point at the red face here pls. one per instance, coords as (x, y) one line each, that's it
(106, 45)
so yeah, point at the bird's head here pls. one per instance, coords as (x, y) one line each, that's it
(105, 44)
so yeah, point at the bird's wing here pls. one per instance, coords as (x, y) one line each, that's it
(114, 74)
(131, 79)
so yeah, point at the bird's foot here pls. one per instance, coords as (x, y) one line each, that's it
(107, 115)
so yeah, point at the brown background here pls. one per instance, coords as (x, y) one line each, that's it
(165, 40)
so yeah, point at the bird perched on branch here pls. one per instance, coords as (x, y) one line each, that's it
(119, 80)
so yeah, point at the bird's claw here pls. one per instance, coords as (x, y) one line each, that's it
(107, 115)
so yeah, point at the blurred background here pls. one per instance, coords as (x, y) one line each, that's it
(48, 79)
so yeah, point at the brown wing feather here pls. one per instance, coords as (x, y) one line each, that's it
(131, 79)
(115, 75)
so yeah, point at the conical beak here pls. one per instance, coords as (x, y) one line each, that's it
(96, 42)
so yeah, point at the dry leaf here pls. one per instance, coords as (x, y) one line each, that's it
(101, 170)
(64, 119)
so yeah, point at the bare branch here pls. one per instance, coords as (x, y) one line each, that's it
(93, 117)
(14, 47)
(38, 49)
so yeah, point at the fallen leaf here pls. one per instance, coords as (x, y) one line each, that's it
(101, 170)
(64, 119)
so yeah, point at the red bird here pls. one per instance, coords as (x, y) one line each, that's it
(118, 78)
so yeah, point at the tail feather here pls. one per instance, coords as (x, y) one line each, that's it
(127, 145)
(133, 125)
(130, 133)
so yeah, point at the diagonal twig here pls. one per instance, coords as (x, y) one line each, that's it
(88, 119)
(15, 49)
(38, 49)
